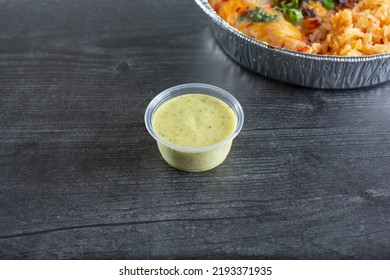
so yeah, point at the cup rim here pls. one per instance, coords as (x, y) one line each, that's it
(178, 90)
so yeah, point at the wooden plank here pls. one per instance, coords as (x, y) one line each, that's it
(81, 178)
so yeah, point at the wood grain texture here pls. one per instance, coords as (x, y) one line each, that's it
(80, 177)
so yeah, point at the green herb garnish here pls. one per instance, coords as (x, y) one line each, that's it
(291, 11)
(258, 15)
(328, 4)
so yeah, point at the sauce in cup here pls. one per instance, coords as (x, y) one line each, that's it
(194, 120)
(194, 125)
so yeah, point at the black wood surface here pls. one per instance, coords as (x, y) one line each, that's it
(81, 178)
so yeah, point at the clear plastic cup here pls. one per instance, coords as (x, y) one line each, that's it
(188, 158)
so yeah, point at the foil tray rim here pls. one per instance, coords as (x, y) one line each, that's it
(205, 6)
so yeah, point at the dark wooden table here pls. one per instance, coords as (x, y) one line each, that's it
(81, 178)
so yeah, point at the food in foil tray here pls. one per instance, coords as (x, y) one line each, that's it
(329, 27)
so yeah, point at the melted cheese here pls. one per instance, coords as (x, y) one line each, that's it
(280, 33)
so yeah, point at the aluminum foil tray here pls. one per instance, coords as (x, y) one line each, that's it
(308, 70)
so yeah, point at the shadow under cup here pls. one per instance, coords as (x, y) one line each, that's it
(194, 159)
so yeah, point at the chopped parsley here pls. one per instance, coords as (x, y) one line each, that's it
(258, 15)
(328, 4)
(291, 11)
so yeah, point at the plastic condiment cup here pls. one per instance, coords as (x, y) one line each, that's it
(188, 158)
